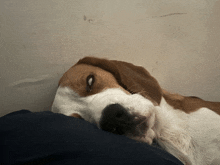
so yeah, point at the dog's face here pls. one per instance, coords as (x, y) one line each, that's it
(94, 94)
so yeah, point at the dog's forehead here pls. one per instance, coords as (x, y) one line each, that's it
(78, 71)
(75, 78)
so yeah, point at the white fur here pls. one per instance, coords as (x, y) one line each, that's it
(193, 138)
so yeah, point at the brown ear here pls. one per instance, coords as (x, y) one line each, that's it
(134, 79)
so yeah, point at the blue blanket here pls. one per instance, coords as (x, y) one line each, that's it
(55, 139)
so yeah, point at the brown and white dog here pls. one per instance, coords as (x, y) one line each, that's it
(125, 99)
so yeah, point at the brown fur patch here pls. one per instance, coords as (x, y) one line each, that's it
(189, 103)
(76, 115)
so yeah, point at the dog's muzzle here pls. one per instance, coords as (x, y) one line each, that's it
(116, 119)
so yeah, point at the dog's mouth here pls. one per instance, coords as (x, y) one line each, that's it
(117, 120)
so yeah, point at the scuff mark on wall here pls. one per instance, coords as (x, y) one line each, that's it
(84, 17)
(170, 14)
(89, 20)
(31, 81)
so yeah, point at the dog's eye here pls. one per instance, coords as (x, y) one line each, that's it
(89, 82)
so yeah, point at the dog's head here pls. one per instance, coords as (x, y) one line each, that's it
(117, 96)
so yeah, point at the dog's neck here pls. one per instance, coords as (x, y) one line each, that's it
(171, 133)
(180, 133)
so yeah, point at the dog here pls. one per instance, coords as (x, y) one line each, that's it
(125, 99)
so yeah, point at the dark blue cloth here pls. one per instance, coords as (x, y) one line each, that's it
(50, 138)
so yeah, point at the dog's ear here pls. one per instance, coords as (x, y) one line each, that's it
(134, 79)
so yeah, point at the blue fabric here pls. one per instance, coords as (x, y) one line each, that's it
(50, 138)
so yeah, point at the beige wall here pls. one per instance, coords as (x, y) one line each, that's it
(177, 41)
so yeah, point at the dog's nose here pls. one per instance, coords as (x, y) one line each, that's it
(116, 119)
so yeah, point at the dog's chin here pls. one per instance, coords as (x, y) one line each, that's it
(149, 134)
(148, 138)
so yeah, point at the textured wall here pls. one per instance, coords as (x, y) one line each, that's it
(177, 41)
